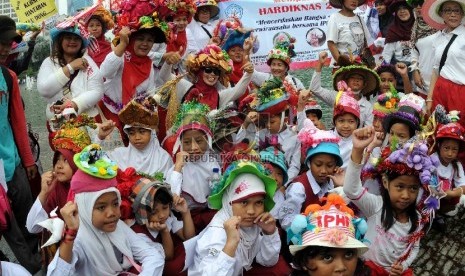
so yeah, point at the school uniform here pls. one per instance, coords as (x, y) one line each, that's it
(345, 148)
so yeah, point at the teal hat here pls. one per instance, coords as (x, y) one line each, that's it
(237, 168)
(56, 32)
(328, 148)
(276, 157)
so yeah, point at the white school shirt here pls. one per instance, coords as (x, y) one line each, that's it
(329, 97)
(173, 225)
(454, 67)
(278, 199)
(295, 196)
(400, 50)
(422, 52)
(36, 214)
(197, 38)
(347, 33)
(210, 259)
(259, 78)
(86, 87)
(345, 148)
(457, 177)
(151, 260)
(384, 247)
(8, 269)
(112, 70)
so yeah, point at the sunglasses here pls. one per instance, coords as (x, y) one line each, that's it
(209, 70)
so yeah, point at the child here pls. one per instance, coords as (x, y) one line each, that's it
(155, 221)
(396, 219)
(274, 160)
(335, 248)
(272, 103)
(385, 104)
(144, 153)
(99, 23)
(322, 159)
(95, 241)
(389, 74)
(309, 109)
(195, 162)
(244, 231)
(361, 80)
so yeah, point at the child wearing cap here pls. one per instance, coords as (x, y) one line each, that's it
(322, 160)
(326, 240)
(144, 153)
(95, 241)
(246, 237)
(311, 110)
(157, 225)
(98, 24)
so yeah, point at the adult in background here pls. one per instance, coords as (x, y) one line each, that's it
(201, 28)
(385, 18)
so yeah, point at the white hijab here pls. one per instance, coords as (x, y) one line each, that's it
(150, 160)
(248, 246)
(97, 245)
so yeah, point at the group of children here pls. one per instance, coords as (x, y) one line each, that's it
(221, 178)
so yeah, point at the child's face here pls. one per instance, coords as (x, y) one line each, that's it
(95, 28)
(387, 78)
(180, 22)
(356, 82)
(448, 151)
(63, 171)
(274, 124)
(334, 261)
(106, 212)
(346, 124)
(194, 142)
(403, 191)
(378, 124)
(322, 165)
(249, 209)
(160, 213)
(139, 137)
(313, 118)
(350, 4)
(278, 175)
(236, 53)
(401, 131)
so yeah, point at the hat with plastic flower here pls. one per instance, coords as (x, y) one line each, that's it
(312, 106)
(315, 141)
(192, 116)
(330, 225)
(72, 134)
(338, 3)
(283, 48)
(141, 16)
(210, 56)
(169, 9)
(231, 32)
(370, 78)
(409, 112)
(140, 112)
(386, 103)
(104, 16)
(273, 97)
(431, 12)
(243, 179)
(211, 4)
(345, 102)
(276, 157)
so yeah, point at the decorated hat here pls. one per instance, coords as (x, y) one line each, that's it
(331, 225)
(231, 32)
(312, 106)
(210, 56)
(72, 135)
(386, 103)
(370, 77)
(246, 178)
(409, 113)
(140, 113)
(283, 48)
(345, 102)
(143, 194)
(276, 157)
(414, 101)
(430, 12)
(141, 16)
(273, 97)
(315, 141)
(192, 116)
(104, 16)
(168, 9)
(448, 126)
(214, 10)
(75, 29)
(338, 3)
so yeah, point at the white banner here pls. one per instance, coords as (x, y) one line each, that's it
(305, 20)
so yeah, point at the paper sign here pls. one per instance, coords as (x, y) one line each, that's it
(34, 11)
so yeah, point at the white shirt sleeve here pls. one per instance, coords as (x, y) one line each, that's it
(50, 80)
(234, 93)
(459, 177)
(258, 78)
(333, 34)
(93, 92)
(13, 269)
(294, 164)
(268, 255)
(295, 197)
(111, 65)
(175, 180)
(36, 214)
(301, 116)
(326, 95)
(388, 51)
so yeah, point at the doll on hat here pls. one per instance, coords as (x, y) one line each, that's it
(323, 160)
(271, 105)
(95, 241)
(400, 216)
(328, 230)
(363, 82)
(246, 236)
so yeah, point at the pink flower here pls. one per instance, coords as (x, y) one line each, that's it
(335, 236)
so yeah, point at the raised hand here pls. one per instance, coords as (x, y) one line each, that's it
(180, 204)
(266, 222)
(181, 159)
(338, 177)
(248, 66)
(362, 137)
(124, 35)
(70, 215)
(231, 226)
(401, 68)
(105, 128)
(248, 44)
(156, 226)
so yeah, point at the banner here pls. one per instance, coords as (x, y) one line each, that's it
(305, 20)
(34, 11)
